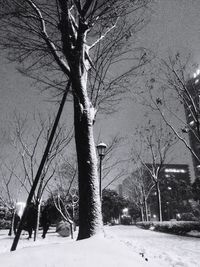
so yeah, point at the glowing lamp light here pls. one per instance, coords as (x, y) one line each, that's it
(125, 210)
(196, 73)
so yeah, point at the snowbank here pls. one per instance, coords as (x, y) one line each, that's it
(123, 246)
(93, 252)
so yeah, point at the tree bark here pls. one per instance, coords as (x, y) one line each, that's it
(142, 213)
(38, 208)
(90, 218)
(12, 223)
(146, 210)
(159, 202)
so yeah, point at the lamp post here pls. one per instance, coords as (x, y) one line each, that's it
(101, 148)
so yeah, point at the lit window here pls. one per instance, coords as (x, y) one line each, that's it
(175, 170)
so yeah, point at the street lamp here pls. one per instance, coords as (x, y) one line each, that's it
(101, 148)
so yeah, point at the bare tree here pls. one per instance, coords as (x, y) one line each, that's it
(64, 191)
(173, 94)
(155, 144)
(8, 196)
(62, 36)
(138, 188)
(29, 145)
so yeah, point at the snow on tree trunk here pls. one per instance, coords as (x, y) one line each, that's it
(90, 217)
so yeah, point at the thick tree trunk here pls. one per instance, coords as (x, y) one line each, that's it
(159, 202)
(90, 218)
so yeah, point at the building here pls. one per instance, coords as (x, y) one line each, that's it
(174, 183)
(192, 112)
(174, 171)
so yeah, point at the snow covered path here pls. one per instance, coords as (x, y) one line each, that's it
(175, 250)
(125, 246)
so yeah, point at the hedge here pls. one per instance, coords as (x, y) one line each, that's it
(172, 227)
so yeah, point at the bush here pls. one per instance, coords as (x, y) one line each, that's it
(126, 220)
(172, 227)
(189, 216)
(4, 224)
(63, 228)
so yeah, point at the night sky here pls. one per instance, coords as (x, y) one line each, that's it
(175, 25)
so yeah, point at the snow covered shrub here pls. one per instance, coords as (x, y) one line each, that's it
(144, 225)
(189, 216)
(172, 227)
(126, 220)
(177, 227)
(63, 229)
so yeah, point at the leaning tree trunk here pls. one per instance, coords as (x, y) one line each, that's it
(90, 217)
(159, 202)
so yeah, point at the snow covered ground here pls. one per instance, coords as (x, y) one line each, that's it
(123, 246)
(171, 249)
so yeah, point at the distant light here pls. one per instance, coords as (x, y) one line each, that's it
(196, 73)
(154, 216)
(175, 170)
(125, 210)
(191, 123)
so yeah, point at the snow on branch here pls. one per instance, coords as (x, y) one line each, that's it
(104, 35)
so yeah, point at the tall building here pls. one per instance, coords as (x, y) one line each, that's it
(192, 112)
(174, 181)
(174, 172)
